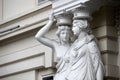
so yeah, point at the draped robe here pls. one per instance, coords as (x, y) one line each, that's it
(84, 59)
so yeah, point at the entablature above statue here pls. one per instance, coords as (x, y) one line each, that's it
(60, 5)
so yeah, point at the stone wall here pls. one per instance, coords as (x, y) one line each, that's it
(104, 29)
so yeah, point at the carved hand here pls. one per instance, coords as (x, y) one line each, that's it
(52, 17)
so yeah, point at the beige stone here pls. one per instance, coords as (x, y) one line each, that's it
(112, 45)
(30, 75)
(112, 31)
(102, 44)
(11, 9)
(1, 12)
(100, 31)
(109, 58)
(112, 70)
(26, 23)
(106, 44)
(20, 66)
(105, 31)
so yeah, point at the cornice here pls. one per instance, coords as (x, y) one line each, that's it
(59, 5)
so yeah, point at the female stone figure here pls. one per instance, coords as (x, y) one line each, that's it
(85, 60)
(64, 34)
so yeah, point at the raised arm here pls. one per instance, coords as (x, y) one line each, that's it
(40, 36)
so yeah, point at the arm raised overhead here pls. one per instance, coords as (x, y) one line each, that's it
(40, 36)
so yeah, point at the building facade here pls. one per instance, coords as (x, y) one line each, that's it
(22, 57)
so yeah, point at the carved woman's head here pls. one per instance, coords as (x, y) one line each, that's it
(64, 23)
(80, 25)
(81, 18)
(64, 34)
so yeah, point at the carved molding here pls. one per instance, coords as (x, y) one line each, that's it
(60, 5)
(14, 62)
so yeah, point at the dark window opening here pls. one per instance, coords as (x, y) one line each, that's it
(47, 78)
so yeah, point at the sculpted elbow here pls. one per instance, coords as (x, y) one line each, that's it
(36, 36)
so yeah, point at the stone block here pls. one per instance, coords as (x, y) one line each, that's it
(108, 45)
(109, 58)
(112, 31)
(24, 65)
(100, 32)
(30, 75)
(112, 71)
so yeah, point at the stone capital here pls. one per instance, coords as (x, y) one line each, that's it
(65, 18)
(82, 13)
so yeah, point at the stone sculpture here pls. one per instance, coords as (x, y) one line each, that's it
(64, 33)
(80, 60)
(85, 60)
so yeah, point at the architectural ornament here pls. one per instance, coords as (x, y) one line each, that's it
(78, 60)
(64, 33)
(84, 55)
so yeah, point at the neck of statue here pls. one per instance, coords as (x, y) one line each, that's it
(82, 35)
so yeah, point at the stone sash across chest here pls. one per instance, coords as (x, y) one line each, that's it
(80, 43)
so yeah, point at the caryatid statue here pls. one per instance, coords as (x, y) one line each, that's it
(80, 60)
(84, 56)
(64, 33)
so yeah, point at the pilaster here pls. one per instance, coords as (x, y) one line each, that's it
(117, 17)
(103, 26)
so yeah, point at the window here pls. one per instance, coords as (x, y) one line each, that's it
(48, 77)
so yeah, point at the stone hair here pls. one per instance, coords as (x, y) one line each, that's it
(84, 26)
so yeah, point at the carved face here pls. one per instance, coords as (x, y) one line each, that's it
(76, 29)
(78, 26)
(64, 36)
